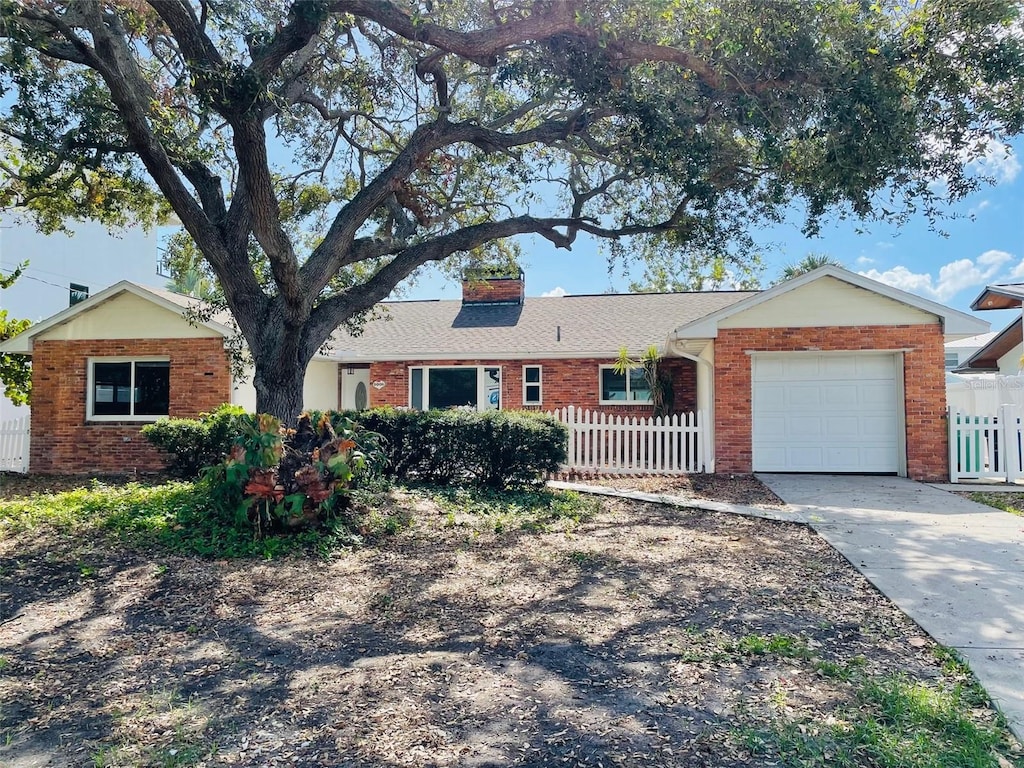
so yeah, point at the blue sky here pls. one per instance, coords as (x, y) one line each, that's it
(986, 246)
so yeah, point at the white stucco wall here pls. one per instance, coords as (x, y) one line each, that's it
(828, 301)
(319, 390)
(127, 316)
(1009, 364)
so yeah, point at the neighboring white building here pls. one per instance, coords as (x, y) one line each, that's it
(959, 351)
(62, 266)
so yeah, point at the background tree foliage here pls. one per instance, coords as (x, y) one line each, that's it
(320, 152)
(15, 370)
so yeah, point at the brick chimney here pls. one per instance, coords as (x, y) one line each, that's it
(483, 288)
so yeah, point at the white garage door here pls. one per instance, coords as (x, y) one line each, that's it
(825, 413)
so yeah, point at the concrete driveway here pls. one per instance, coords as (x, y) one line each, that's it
(954, 566)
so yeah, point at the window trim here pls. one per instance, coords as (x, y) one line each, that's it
(539, 384)
(90, 390)
(627, 401)
(956, 360)
(481, 383)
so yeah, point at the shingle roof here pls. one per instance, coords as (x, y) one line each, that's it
(558, 326)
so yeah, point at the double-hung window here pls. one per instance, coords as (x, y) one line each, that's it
(532, 389)
(128, 390)
(629, 387)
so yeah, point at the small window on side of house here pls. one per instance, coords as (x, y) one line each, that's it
(952, 360)
(532, 385)
(627, 388)
(128, 390)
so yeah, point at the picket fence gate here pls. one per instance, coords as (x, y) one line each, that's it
(605, 443)
(986, 446)
(14, 445)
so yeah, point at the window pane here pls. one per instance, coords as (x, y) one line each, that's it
(532, 374)
(152, 388)
(613, 385)
(450, 387)
(416, 380)
(532, 393)
(111, 394)
(639, 389)
(492, 389)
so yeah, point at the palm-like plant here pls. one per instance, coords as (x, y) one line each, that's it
(808, 263)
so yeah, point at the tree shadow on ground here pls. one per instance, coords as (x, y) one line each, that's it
(615, 643)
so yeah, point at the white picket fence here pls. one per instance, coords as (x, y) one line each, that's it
(986, 446)
(14, 445)
(605, 443)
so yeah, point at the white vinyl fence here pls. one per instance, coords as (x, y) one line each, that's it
(601, 442)
(985, 446)
(14, 445)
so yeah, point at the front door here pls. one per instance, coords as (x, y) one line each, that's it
(355, 389)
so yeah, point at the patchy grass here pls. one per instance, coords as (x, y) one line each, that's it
(1006, 501)
(179, 517)
(891, 720)
(532, 511)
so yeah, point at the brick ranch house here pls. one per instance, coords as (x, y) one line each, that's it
(827, 372)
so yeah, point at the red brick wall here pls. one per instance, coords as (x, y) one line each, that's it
(564, 383)
(924, 384)
(62, 439)
(493, 289)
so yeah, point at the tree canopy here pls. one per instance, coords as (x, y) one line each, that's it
(15, 370)
(319, 152)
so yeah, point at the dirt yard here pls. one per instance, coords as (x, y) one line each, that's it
(635, 639)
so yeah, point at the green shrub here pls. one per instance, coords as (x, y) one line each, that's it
(276, 479)
(195, 443)
(496, 449)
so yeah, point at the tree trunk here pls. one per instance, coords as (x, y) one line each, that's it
(279, 391)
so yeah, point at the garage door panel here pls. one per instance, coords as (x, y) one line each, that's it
(875, 367)
(825, 413)
(838, 368)
(802, 396)
(804, 427)
(838, 395)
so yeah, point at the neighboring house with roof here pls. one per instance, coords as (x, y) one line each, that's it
(827, 372)
(957, 352)
(66, 267)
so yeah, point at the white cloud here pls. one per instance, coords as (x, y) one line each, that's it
(865, 260)
(559, 291)
(1017, 272)
(998, 162)
(953, 277)
(975, 210)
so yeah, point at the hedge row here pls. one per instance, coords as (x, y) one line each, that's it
(497, 449)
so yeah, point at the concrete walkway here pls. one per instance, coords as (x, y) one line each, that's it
(954, 566)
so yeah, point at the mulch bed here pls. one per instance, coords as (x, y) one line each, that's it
(612, 643)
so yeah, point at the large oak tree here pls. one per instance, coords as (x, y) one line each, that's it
(319, 152)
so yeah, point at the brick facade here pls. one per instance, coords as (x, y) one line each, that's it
(923, 381)
(565, 383)
(64, 441)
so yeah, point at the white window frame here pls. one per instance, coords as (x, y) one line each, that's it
(539, 384)
(481, 382)
(627, 401)
(956, 360)
(90, 389)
